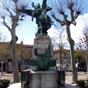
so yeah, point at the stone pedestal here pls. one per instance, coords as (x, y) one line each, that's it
(44, 75)
(42, 79)
(47, 79)
(41, 44)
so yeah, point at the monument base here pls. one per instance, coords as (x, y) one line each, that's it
(41, 79)
(47, 79)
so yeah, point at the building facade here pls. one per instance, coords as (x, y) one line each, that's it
(63, 59)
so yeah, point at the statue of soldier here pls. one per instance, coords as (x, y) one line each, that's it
(42, 19)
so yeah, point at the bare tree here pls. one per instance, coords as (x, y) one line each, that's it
(66, 12)
(83, 44)
(59, 42)
(9, 12)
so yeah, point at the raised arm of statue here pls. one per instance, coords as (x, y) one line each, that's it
(36, 12)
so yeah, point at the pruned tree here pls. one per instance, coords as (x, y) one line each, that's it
(66, 12)
(10, 18)
(83, 44)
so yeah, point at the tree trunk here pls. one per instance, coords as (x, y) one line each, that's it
(14, 58)
(87, 62)
(71, 42)
(74, 71)
(61, 59)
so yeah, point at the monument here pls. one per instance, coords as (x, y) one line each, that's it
(43, 65)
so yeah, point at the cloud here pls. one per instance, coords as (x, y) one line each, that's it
(77, 31)
(58, 36)
(5, 32)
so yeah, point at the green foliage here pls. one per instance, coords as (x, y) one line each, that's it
(79, 54)
(81, 84)
(4, 83)
(23, 51)
(4, 51)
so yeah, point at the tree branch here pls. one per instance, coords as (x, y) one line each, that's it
(62, 23)
(11, 15)
(5, 24)
(71, 10)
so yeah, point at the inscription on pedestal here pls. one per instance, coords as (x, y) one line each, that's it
(41, 44)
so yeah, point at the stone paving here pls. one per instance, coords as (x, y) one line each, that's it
(68, 82)
(81, 76)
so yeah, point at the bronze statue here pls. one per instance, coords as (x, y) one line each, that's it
(44, 59)
(42, 19)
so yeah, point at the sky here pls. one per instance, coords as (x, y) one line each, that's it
(27, 29)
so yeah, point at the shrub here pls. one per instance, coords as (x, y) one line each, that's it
(81, 83)
(4, 83)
